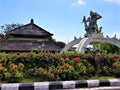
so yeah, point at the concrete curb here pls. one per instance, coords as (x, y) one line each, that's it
(60, 85)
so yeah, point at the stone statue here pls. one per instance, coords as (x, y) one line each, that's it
(91, 23)
(99, 30)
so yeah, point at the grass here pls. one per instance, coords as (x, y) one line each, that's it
(28, 80)
(102, 77)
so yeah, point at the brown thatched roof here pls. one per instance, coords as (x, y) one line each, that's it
(28, 45)
(24, 39)
(30, 29)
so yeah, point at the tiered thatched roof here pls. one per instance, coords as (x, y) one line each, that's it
(31, 30)
(29, 37)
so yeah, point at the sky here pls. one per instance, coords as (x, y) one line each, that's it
(62, 17)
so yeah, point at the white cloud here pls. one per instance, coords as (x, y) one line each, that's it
(113, 34)
(78, 2)
(113, 1)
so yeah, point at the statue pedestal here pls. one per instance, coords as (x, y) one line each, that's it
(95, 35)
(100, 35)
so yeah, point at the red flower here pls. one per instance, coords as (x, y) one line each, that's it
(4, 58)
(62, 59)
(0, 64)
(116, 65)
(14, 67)
(66, 65)
(116, 57)
(22, 65)
(61, 67)
(77, 59)
(59, 70)
(67, 59)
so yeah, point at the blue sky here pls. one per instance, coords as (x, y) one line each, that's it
(62, 17)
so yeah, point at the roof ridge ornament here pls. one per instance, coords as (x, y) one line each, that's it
(32, 21)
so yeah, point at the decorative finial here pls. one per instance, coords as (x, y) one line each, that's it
(32, 21)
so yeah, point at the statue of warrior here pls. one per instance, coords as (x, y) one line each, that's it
(92, 26)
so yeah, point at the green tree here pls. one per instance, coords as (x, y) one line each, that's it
(109, 48)
(61, 44)
(8, 27)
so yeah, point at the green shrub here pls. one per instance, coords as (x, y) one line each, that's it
(40, 74)
(55, 66)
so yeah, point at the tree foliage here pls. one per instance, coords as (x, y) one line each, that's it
(109, 48)
(59, 43)
(8, 27)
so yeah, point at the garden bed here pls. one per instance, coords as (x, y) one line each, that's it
(42, 66)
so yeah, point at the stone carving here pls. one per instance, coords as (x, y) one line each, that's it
(91, 23)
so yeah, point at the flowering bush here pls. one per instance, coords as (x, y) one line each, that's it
(116, 66)
(55, 66)
(40, 74)
(70, 68)
(10, 71)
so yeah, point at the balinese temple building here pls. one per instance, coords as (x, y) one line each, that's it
(29, 37)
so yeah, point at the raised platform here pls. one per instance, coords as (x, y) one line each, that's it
(94, 37)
